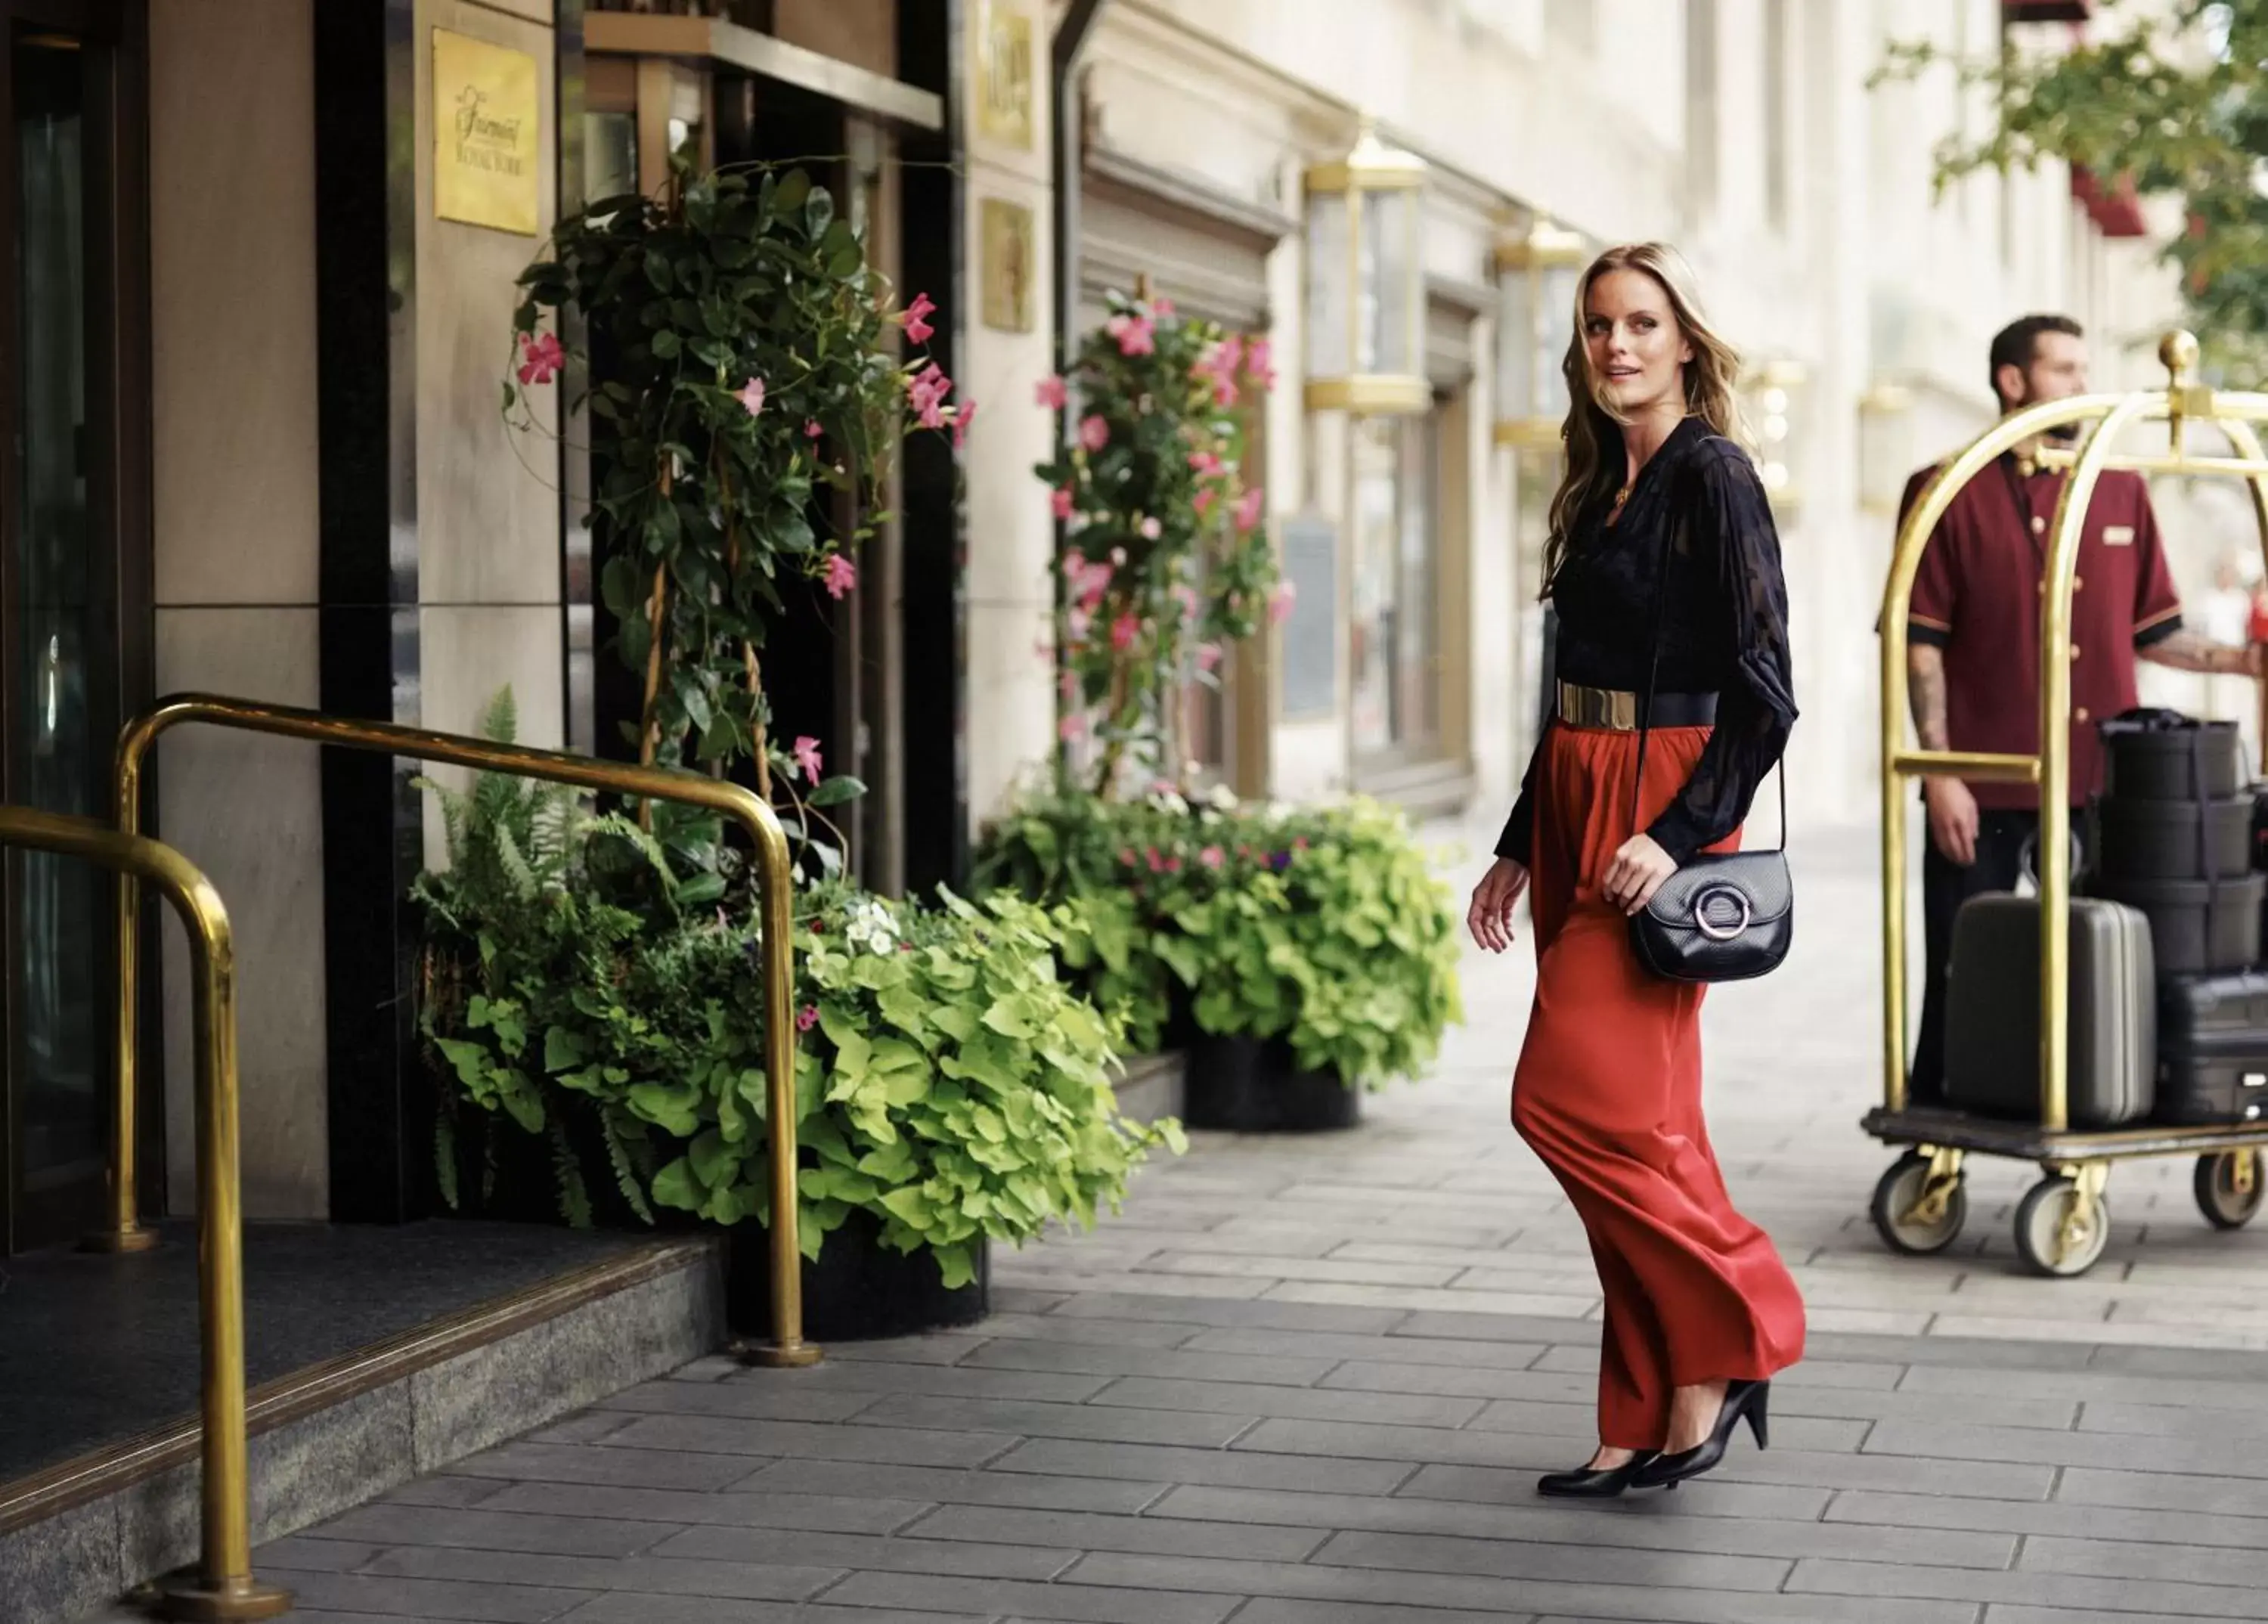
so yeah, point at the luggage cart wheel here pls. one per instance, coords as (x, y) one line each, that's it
(2229, 1187)
(1920, 1202)
(2062, 1224)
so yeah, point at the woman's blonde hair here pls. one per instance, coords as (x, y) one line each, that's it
(1592, 426)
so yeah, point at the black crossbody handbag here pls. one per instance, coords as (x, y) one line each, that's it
(1720, 916)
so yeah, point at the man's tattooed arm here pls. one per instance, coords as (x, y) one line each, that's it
(1925, 694)
(2189, 650)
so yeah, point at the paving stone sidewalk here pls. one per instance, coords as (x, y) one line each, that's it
(1311, 1380)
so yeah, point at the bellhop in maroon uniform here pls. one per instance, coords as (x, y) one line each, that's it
(1974, 661)
(1700, 1311)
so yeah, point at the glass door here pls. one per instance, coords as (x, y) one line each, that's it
(62, 623)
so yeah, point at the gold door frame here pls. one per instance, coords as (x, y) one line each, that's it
(2178, 403)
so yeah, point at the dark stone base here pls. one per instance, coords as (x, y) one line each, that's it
(860, 1290)
(1249, 1085)
(468, 1334)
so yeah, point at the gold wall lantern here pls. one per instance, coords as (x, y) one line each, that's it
(1367, 282)
(1537, 273)
(1885, 446)
(1774, 391)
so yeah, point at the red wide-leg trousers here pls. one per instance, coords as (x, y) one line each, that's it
(1607, 1093)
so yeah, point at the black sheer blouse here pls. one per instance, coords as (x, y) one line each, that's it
(1724, 626)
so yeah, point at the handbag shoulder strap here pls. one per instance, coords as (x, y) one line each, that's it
(1671, 532)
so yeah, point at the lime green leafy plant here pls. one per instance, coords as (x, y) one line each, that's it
(1328, 927)
(948, 1080)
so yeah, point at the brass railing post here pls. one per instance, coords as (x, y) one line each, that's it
(125, 1233)
(135, 740)
(222, 1587)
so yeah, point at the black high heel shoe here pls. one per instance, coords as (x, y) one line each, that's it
(1743, 1401)
(1595, 1482)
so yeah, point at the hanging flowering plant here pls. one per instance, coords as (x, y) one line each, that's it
(1167, 561)
(747, 396)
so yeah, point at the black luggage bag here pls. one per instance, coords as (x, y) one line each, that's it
(2212, 1049)
(1992, 1005)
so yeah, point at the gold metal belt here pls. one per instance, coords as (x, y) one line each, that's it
(1617, 709)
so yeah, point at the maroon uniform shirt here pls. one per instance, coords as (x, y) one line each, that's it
(1977, 594)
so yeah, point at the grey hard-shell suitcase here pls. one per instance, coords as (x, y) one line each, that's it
(1992, 1003)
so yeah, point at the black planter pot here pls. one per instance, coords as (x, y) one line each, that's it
(525, 1188)
(1181, 1029)
(858, 1290)
(1250, 1085)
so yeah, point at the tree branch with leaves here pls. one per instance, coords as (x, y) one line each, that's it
(2171, 98)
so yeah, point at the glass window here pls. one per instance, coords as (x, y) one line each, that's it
(610, 158)
(1396, 652)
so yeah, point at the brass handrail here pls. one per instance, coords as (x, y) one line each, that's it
(787, 1346)
(222, 1587)
(2108, 416)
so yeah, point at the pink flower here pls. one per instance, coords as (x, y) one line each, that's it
(1094, 581)
(927, 390)
(1071, 727)
(541, 358)
(1136, 335)
(1186, 595)
(1152, 529)
(842, 575)
(1208, 656)
(1205, 498)
(1062, 500)
(1206, 463)
(806, 757)
(1279, 602)
(1220, 364)
(1256, 356)
(1162, 308)
(1049, 392)
(1212, 857)
(1173, 865)
(812, 431)
(1157, 862)
(915, 317)
(963, 415)
(807, 1017)
(1074, 562)
(752, 396)
(1069, 686)
(1078, 622)
(1124, 630)
(1093, 432)
(1248, 509)
(1128, 858)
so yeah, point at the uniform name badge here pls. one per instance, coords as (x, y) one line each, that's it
(2118, 535)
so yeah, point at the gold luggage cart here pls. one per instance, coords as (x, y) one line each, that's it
(2063, 1223)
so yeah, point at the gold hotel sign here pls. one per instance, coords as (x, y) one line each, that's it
(487, 120)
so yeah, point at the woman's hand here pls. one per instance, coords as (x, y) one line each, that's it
(1490, 916)
(1637, 873)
